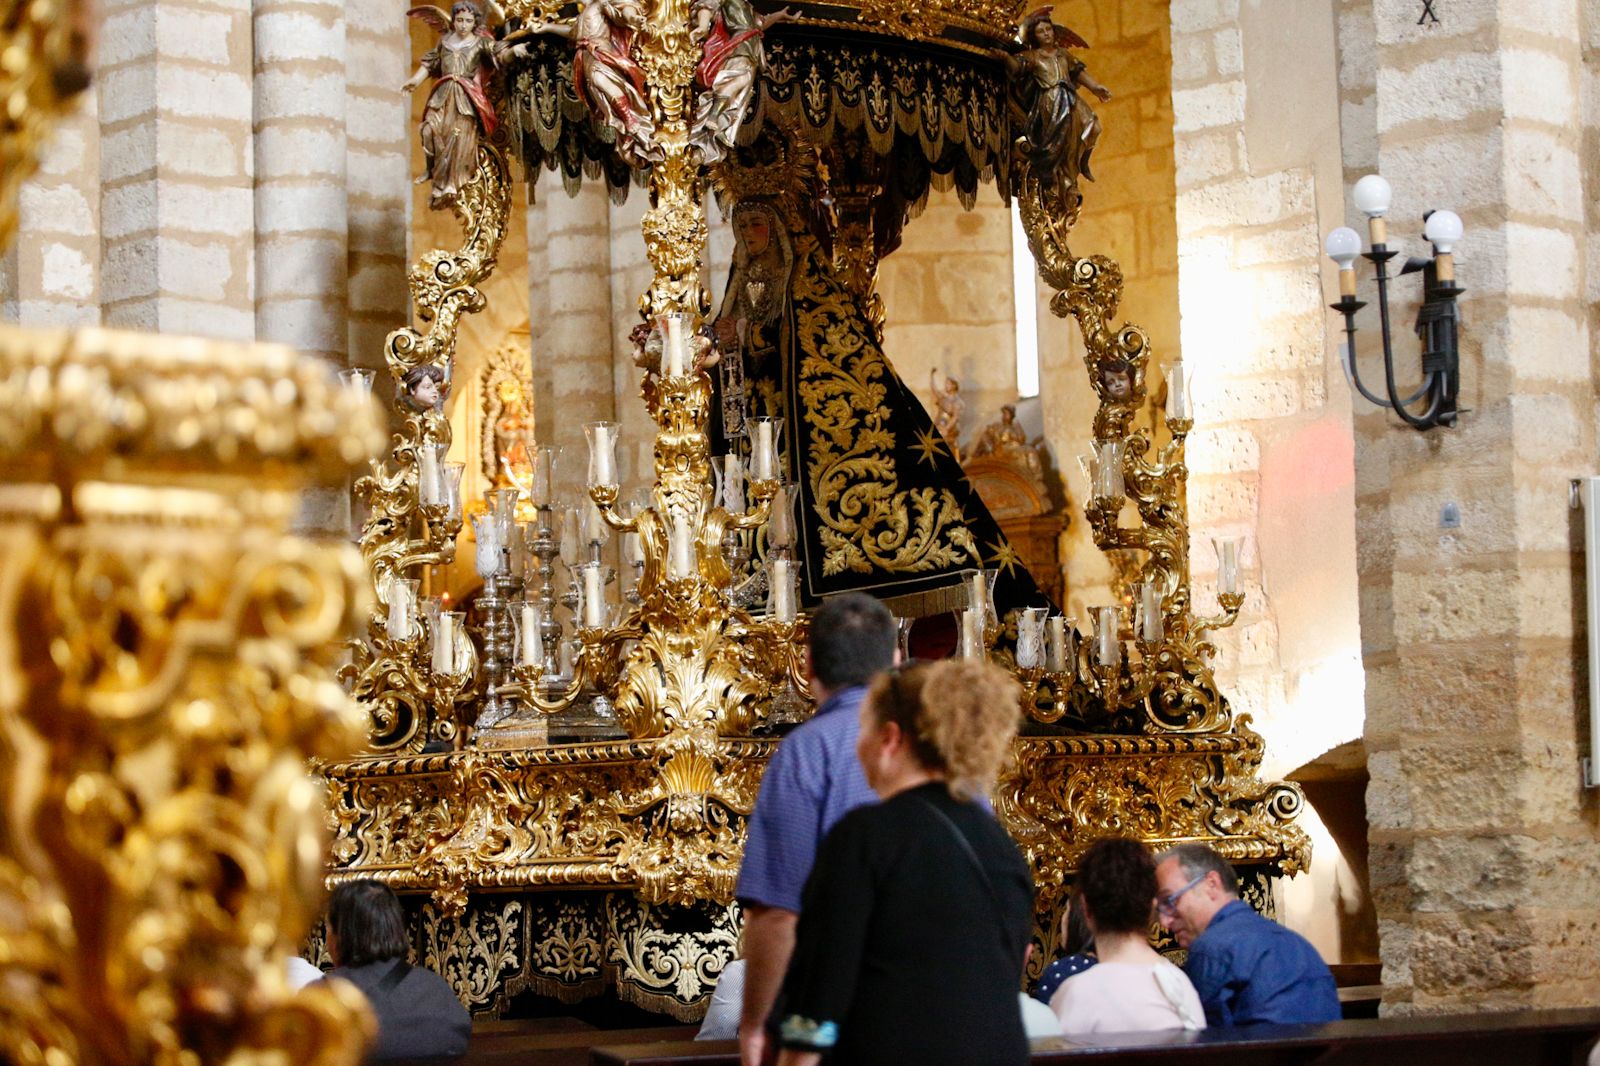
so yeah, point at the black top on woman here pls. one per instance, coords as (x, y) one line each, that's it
(915, 921)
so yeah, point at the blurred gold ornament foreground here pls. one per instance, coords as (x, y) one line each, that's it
(166, 671)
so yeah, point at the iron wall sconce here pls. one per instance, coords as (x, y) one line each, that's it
(1436, 318)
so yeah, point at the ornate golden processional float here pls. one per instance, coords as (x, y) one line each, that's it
(565, 869)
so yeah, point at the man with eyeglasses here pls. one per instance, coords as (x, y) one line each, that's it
(1246, 968)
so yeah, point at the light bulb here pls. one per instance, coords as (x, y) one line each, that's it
(1443, 230)
(1344, 244)
(1373, 196)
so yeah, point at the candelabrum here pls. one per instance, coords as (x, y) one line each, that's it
(680, 649)
(1436, 318)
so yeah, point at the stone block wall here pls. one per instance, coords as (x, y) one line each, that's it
(1482, 838)
(948, 303)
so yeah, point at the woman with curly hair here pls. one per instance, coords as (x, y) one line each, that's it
(915, 920)
(1132, 988)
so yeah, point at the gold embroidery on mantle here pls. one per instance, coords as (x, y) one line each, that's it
(867, 521)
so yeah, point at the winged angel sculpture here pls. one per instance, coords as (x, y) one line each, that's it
(1060, 129)
(459, 110)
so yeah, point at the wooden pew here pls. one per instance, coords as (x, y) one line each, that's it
(550, 1042)
(1530, 1038)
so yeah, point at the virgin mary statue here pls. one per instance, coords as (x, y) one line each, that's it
(884, 506)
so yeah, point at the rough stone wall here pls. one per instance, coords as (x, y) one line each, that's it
(57, 272)
(1255, 112)
(1482, 839)
(947, 296)
(1259, 178)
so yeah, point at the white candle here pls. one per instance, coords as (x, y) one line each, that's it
(680, 548)
(780, 528)
(1108, 648)
(1056, 645)
(1030, 638)
(977, 590)
(763, 458)
(428, 476)
(543, 474)
(1227, 564)
(782, 580)
(972, 633)
(1150, 622)
(632, 549)
(1177, 393)
(732, 483)
(594, 524)
(594, 604)
(444, 645)
(532, 639)
(602, 453)
(566, 658)
(450, 490)
(569, 537)
(677, 355)
(489, 556)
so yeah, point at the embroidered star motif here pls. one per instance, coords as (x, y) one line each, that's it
(930, 444)
(1003, 557)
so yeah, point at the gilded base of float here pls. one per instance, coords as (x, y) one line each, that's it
(541, 868)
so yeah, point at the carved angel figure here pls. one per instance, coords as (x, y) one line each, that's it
(1060, 130)
(458, 107)
(608, 78)
(948, 407)
(729, 34)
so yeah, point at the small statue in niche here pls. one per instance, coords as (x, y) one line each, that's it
(1005, 438)
(1001, 435)
(1060, 129)
(424, 387)
(608, 79)
(729, 34)
(948, 407)
(458, 110)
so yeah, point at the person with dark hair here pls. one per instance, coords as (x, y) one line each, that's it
(812, 781)
(1247, 969)
(1078, 944)
(1131, 988)
(418, 1013)
(916, 917)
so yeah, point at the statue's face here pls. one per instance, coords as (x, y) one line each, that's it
(465, 21)
(1119, 385)
(754, 230)
(1043, 34)
(426, 392)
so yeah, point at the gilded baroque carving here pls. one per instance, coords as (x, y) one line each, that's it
(167, 673)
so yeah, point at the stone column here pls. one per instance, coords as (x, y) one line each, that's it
(176, 198)
(543, 193)
(300, 159)
(378, 206)
(1483, 851)
(577, 328)
(56, 253)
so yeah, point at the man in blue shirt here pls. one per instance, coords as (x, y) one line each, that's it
(813, 780)
(1246, 968)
